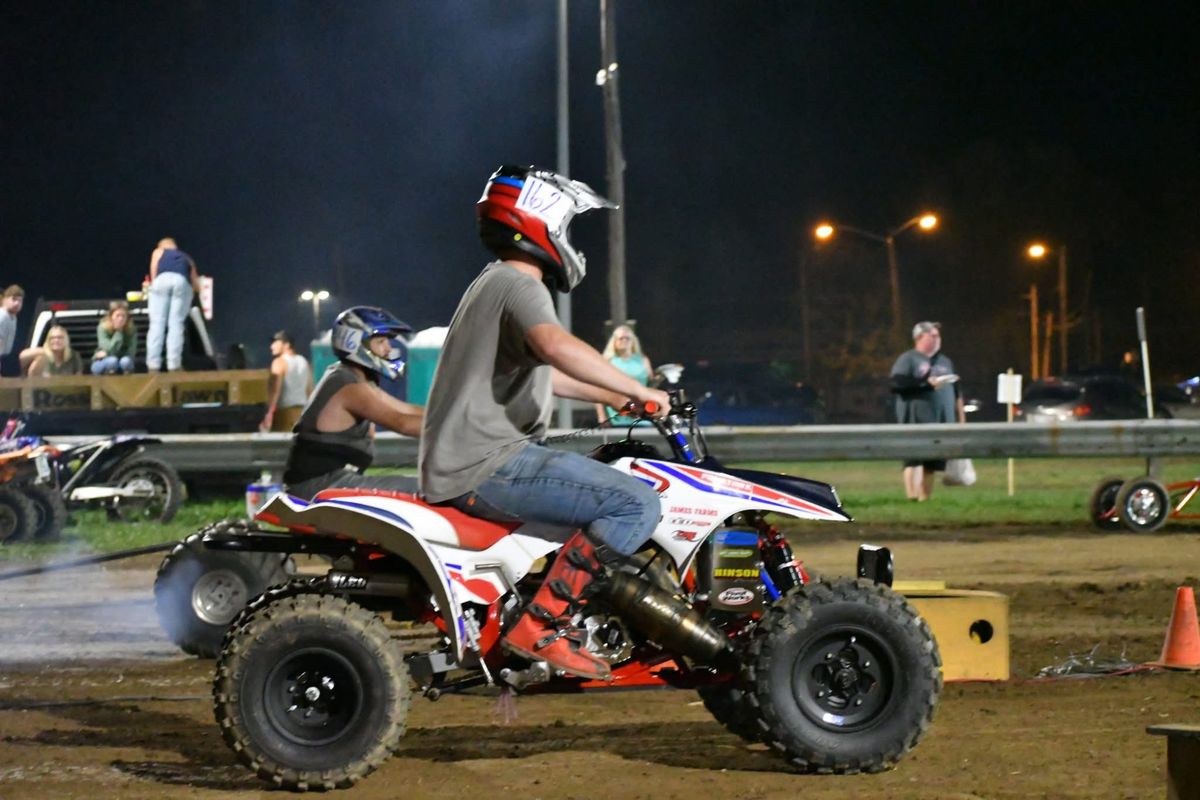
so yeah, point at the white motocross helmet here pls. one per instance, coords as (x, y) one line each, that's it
(354, 326)
(530, 209)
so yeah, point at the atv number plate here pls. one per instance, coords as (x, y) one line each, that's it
(43, 466)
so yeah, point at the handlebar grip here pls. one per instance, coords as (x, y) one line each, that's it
(650, 407)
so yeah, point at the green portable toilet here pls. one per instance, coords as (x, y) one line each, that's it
(322, 356)
(423, 350)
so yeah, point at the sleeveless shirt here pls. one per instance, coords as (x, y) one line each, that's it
(173, 260)
(315, 453)
(293, 393)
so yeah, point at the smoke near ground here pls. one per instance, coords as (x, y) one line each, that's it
(91, 613)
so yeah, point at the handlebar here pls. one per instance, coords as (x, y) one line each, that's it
(640, 410)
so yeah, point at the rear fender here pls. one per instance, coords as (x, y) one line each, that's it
(382, 522)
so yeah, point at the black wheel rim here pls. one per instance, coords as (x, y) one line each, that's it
(313, 696)
(152, 507)
(844, 679)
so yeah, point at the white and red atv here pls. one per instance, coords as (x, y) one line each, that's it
(312, 687)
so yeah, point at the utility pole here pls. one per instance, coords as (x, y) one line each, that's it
(563, 301)
(606, 78)
(889, 242)
(805, 321)
(1062, 309)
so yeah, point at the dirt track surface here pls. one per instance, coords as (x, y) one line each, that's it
(95, 703)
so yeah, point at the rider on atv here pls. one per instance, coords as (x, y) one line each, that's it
(491, 399)
(332, 441)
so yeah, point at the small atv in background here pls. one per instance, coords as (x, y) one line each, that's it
(116, 473)
(31, 507)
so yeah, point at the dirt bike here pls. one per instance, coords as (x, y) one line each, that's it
(313, 687)
(119, 474)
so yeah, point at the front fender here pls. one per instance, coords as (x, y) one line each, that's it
(384, 522)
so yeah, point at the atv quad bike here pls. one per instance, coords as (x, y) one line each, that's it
(312, 687)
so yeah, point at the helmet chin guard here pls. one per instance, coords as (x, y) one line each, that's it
(355, 326)
(530, 210)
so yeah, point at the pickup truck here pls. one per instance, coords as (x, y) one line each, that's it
(203, 398)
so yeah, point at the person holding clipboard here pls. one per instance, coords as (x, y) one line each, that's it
(927, 390)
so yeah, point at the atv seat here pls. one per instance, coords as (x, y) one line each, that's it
(473, 533)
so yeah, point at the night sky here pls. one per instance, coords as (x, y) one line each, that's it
(294, 145)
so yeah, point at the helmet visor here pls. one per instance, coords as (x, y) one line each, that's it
(389, 350)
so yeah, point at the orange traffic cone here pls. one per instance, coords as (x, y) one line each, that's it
(1181, 648)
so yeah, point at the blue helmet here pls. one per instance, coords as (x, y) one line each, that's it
(354, 326)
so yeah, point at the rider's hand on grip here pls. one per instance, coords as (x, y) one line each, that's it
(646, 409)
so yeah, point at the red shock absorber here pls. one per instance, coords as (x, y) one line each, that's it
(786, 570)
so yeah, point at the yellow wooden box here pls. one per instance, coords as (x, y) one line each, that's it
(970, 626)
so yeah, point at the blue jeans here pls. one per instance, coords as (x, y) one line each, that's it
(170, 298)
(110, 364)
(555, 487)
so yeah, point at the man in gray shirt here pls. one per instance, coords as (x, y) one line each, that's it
(926, 390)
(504, 356)
(10, 307)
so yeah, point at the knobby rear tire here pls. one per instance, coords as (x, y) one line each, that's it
(198, 592)
(18, 516)
(311, 690)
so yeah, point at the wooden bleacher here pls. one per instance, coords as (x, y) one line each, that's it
(140, 390)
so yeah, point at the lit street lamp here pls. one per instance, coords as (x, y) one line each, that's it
(925, 222)
(1037, 251)
(307, 296)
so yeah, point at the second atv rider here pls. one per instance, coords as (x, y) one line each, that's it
(332, 441)
(490, 403)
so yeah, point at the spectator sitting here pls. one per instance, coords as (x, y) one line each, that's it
(57, 357)
(116, 341)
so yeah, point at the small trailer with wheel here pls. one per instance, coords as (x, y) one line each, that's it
(1141, 505)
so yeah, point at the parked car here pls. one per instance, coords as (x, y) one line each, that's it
(1091, 397)
(750, 394)
(1182, 400)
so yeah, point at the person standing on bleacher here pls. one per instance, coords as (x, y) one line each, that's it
(173, 284)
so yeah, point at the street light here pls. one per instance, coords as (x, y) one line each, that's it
(925, 222)
(309, 296)
(1037, 251)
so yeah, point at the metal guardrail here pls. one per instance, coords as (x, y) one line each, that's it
(250, 453)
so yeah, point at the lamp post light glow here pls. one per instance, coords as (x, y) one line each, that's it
(1037, 251)
(316, 298)
(926, 222)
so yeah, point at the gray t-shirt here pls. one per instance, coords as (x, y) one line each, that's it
(924, 403)
(491, 394)
(8, 332)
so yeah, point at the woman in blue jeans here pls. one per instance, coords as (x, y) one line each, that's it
(173, 279)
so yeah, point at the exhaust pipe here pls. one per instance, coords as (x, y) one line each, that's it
(666, 619)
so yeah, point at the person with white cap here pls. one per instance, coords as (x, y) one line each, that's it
(926, 390)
